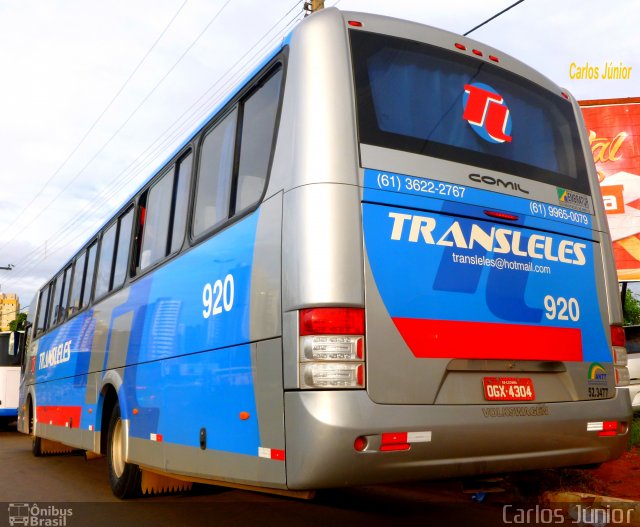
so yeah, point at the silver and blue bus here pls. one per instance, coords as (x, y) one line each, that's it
(383, 258)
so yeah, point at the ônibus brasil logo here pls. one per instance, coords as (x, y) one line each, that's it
(486, 112)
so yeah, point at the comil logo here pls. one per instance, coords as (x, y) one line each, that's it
(486, 112)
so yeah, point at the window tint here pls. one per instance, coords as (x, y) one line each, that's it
(214, 175)
(122, 252)
(156, 224)
(88, 282)
(76, 286)
(258, 124)
(42, 311)
(65, 293)
(414, 97)
(105, 260)
(54, 303)
(183, 176)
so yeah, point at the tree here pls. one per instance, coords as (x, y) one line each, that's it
(631, 310)
(19, 323)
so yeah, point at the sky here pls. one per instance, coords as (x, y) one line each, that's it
(94, 96)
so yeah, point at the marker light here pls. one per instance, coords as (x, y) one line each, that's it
(331, 341)
(477, 52)
(494, 58)
(501, 215)
(461, 46)
(355, 23)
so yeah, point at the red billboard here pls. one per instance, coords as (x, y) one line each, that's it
(614, 134)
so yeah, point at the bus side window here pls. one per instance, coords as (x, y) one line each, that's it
(258, 127)
(105, 261)
(213, 187)
(42, 311)
(156, 223)
(76, 286)
(54, 301)
(125, 225)
(89, 274)
(63, 310)
(180, 202)
(114, 254)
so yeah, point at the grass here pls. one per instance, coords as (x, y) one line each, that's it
(634, 432)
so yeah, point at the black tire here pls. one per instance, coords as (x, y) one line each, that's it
(36, 442)
(124, 477)
(36, 447)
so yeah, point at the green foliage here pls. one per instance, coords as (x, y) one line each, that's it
(631, 310)
(18, 324)
(634, 433)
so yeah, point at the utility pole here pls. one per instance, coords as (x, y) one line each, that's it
(313, 6)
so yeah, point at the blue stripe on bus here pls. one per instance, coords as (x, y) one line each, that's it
(188, 363)
(8, 412)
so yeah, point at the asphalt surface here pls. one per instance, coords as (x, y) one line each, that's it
(68, 491)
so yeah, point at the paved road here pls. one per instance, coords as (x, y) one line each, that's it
(53, 486)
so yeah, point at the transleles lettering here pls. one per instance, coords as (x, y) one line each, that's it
(413, 228)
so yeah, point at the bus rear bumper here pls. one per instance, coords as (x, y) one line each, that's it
(441, 440)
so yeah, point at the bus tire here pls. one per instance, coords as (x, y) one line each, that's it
(124, 477)
(36, 446)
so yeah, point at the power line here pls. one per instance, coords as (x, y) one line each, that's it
(493, 17)
(98, 119)
(131, 115)
(255, 56)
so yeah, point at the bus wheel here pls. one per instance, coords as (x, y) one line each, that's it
(36, 446)
(124, 477)
(36, 442)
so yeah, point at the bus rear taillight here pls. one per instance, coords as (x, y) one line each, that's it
(332, 348)
(619, 353)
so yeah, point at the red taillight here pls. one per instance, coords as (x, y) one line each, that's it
(609, 428)
(394, 441)
(355, 23)
(617, 336)
(360, 444)
(332, 321)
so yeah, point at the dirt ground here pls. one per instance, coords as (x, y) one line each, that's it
(620, 478)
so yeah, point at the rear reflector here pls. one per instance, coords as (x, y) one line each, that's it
(332, 321)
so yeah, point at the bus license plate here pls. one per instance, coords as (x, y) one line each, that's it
(508, 389)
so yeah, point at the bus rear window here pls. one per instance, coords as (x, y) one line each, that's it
(434, 102)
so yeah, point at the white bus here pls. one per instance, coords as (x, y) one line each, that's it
(9, 376)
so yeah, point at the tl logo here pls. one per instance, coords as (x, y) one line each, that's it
(486, 112)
